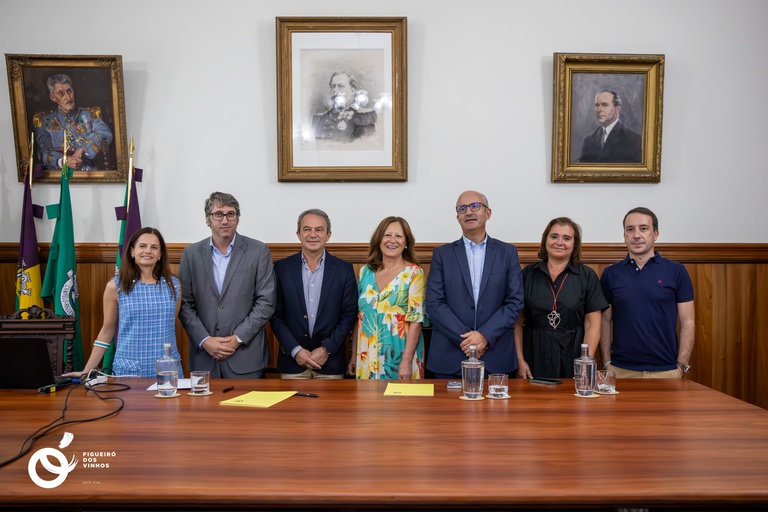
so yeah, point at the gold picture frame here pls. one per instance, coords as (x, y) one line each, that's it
(622, 92)
(358, 131)
(97, 130)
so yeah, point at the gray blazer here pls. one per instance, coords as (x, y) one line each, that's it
(246, 303)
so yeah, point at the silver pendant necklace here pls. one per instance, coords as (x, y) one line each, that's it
(554, 316)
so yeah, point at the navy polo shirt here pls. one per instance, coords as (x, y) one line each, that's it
(644, 311)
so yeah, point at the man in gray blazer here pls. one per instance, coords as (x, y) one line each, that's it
(227, 296)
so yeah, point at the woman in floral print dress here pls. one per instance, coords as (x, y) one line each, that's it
(387, 341)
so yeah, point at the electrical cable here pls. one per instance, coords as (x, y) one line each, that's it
(96, 389)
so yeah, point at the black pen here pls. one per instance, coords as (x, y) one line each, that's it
(310, 395)
(230, 388)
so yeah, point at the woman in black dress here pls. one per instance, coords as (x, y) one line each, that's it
(563, 305)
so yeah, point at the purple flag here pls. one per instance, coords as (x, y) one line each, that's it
(129, 214)
(131, 223)
(28, 277)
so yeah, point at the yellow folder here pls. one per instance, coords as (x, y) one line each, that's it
(258, 398)
(396, 389)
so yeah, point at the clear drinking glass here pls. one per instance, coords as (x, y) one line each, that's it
(200, 382)
(498, 385)
(606, 381)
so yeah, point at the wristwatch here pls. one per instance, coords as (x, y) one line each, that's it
(685, 367)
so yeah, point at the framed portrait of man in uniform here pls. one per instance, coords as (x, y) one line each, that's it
(341, 85)
(77, 99)
(607, 114)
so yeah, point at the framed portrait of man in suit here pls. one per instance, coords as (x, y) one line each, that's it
(607, 114)
(341, 85)
(77, 99)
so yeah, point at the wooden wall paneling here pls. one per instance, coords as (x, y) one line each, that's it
(695, 271)
(701, 275)
(730, 285)
(719, 331)
(736, 345)
(733, 352)
(745, 372)
(92, 279)
(760, 320)
(8, 285)
(182, 340)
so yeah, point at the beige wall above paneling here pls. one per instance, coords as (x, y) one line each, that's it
(200, 99)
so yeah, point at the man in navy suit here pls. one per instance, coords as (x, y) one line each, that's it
(474, 295)
(316, 305)
(612, 141)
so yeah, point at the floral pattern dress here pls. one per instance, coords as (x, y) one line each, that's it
(382, 323)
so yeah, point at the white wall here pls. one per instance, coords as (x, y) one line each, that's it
(200, 99)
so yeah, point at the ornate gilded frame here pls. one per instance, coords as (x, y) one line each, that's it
(98, 84)
(309, 52)
(639, 81)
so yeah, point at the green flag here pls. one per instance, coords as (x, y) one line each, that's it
(60, 282)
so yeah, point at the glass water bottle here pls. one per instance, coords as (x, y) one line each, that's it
(167, 370)
(472, 374)
(584, 369)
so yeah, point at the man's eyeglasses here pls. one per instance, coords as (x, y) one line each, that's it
(220, 215)
(462, 208)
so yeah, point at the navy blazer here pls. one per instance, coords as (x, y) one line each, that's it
(336, 313)
(451, 306)
(623, 145)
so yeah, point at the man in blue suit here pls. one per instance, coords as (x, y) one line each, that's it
(474, 295)
(316, 305)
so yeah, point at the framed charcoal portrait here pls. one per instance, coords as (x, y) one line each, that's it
(77, 97)
(341, 86)
(607, 114)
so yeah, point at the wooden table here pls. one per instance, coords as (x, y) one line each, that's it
(659, 443)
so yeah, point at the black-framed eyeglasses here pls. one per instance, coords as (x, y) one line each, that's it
(232, 215)
(462, 208)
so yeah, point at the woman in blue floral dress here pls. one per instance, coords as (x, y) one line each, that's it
(387, 341)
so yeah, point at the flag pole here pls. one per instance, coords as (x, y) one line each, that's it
(64, 159)
(130, 175)
(31, 157)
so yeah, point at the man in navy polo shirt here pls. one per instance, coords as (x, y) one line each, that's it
(647, 294)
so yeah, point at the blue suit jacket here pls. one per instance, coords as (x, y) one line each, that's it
(336, 313)
(451, 307)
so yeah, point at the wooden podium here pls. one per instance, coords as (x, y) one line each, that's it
(44, 323)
